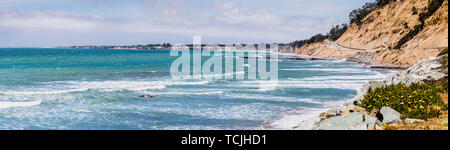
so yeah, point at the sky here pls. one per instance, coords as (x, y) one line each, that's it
(50, 23)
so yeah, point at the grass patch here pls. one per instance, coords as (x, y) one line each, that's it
(417, 101)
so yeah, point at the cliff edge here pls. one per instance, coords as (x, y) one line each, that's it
(400, 33)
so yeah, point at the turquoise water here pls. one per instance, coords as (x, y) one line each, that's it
(100, 89)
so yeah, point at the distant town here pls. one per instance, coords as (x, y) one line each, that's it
(168, 46)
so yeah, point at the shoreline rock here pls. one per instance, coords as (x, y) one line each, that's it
(336, 119)
(353, 121)
(423, 70)
(390, 115)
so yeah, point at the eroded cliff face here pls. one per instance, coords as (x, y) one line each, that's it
(404, 57)
(435, 33)
(384, 27)
(382, 30)
(286, 49)
(324, 50)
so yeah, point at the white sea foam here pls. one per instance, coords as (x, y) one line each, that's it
(188, 93)
(42, 92)
(265, 86)
(4, 105)
(220, 76)
(291, 120)
(251, 111)
(207, 93)
(61, 87)
(304, 118)
(344, 70)
(376, 76)
(301, 119)
(271, 98)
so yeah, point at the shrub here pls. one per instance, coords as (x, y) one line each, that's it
(298, 43)
(337, 31)
(419, 101)
(414, 10)
(357, 15)
(406, 25)
(410, 35)
(381, 3)
(317, 38)
(444, 60)
(433, 6)
(443, 52)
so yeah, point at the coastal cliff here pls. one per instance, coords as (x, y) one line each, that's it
(380, 33)
(410, 34)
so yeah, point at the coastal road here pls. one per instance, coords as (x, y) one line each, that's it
(334, 45)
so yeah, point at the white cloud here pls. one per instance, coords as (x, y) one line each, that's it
(170, 12)
(223, 21)
(49, 20)
(14, 2)
(11, 1)
(223, 5)
(245, 15)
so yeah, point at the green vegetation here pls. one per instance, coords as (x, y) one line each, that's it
(381, 3)
(443, 52)
(418, 101)
(433, 6)
(313, 39)
(414, 10)
(357, 15)
(334, 34)
(337, 31)
(445, 58)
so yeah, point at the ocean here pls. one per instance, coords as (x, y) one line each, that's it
(96, 89)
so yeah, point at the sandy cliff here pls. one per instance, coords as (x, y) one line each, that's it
(325, 50)
(382, 30)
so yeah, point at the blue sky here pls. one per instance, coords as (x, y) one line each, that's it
(48, 23)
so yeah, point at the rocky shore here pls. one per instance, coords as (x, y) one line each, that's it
(349, 116)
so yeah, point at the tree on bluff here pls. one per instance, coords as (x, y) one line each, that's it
(357, 15)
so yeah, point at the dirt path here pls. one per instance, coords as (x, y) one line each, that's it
(340, 47)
